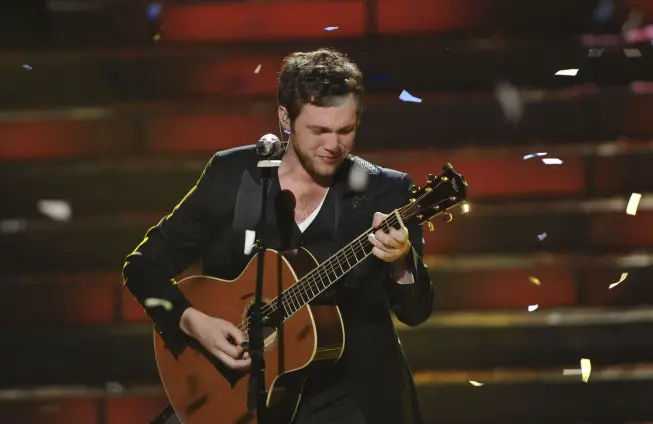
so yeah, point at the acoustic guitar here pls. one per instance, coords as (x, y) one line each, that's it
(300, 334)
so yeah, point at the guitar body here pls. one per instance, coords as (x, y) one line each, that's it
(203, 391)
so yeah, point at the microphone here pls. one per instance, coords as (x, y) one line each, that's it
(268, 145)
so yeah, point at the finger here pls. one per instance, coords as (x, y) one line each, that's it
(400, 235)
(378, 219)
(223, 345)
(235, 333)
(234, 364)
(377, 243)
(387, 239)
(382, 254)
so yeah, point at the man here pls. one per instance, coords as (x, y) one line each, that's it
(312, 204)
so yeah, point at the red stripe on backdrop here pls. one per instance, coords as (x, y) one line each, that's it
(134, 410)
(410, 16)
(49, 412)
(235, 76)
(506, 289)
(61, 300)
(207, 133)
(621, 231)
(57, 139)
(257, 21)
(492, 176)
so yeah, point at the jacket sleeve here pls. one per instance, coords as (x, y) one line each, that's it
(168, 249)
(411, 303)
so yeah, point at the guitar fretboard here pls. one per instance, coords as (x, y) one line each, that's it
(328, 272)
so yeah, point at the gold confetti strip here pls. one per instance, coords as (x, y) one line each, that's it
(475, 383)
(633, 203)
(258, 69)
(624, 275)
(153, 302)
(585, 369)
(531, 308)
(535, 281)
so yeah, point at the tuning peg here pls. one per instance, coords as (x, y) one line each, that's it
(447, 167)
(447, 217)
(431, 178)
(431, 227)
(414, 189)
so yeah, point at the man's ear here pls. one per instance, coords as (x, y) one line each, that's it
(284, 119)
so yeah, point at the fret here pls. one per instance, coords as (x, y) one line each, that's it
(335, 274)
(360, 242)
(354, 252)
(340, 264)
(346, 258)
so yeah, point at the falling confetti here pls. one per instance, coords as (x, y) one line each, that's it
(27, 67)
(567, 72)
(153, 302)
(595, 52)
(535, 281)
(510, 100)
(156, 37)
(534, 155)
(333, 28)
(475, 383)
(552, 161)
(585, 369)
(632, 53)
(287, 131)
(58, 210)
(258, 69)
(542, 236)
(154, 11)
(531, 308)
(633, 203)
(624, 275)
(358, 178)
(407, 97)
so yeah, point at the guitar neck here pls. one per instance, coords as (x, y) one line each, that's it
(328, 272)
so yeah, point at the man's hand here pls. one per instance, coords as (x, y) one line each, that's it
(223, 339)
(388, 247)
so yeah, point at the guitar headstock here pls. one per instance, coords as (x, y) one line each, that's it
(439, 196)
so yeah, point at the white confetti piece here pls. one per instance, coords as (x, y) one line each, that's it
(624, 275)
(153, 302)
(27, 67)
(58, 210)
(531, 308)
(535, 281)
(358, 178)
(585, 369)
(632, 53)
(331, 28)
(12, 225)
(534, 155)
(510, 99)
(475, 383)
(633, 203)
(258, 69)
(567, 72)
(250, 239)
(552, 161)
(407, 97)
(542, 236)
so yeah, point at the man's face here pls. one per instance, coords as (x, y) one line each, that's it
(323, 136)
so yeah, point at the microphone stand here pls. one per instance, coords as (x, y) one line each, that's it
(257, 392)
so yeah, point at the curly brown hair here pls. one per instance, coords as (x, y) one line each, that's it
(317, 77)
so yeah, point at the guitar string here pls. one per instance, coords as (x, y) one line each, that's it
(298, 290)
(321, 273)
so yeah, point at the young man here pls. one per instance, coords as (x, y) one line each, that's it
(311, 203)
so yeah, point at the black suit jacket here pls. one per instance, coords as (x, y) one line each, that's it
(201, 227)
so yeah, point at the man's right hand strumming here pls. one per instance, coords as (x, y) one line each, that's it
(215, 335)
